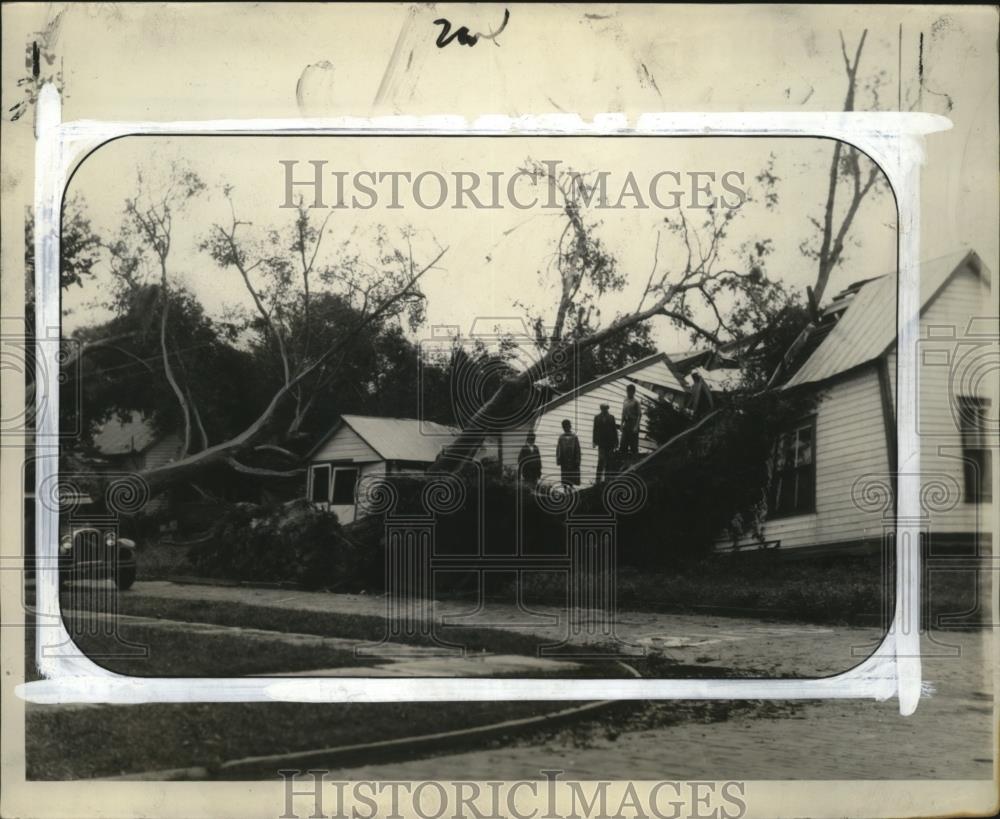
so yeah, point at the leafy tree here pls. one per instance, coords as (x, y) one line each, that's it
(298, 284)
(714, 476)
(311, 317)
(129, 375)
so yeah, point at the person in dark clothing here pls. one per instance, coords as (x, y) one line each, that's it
(605, 440)
(700, 401)
(529, 461)
(568, 455)
(631, 413)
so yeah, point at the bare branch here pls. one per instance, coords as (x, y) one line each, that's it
(276, 449)
(261, 472)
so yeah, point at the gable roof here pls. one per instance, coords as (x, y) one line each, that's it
(395, 439)
(669, 377)
(867, 329)
(116, 437)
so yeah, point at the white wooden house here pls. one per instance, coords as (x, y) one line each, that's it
(655, 379)
(833, 467)
(134, 445)
(359, 446)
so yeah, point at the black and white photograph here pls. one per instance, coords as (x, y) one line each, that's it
(411, 464)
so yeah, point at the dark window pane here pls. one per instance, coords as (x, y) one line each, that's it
(786, 501)
(793, 482)
(974, 421)
(978, 475)
(344, 481)
(320, 484)
(805, 453)
(805, 500)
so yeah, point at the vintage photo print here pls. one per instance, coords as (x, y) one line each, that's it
(480, 410)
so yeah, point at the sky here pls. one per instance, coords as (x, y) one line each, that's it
(497, 258)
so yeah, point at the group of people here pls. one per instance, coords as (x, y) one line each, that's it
(606, 437)
(605, 440)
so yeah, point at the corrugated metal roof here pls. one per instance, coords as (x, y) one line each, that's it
(402, 439)
(119, 438)
(868, 326)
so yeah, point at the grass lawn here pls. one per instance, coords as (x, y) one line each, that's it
(150, 651)
(829, 591)
(367, 628)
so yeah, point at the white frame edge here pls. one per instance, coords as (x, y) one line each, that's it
(893, 140)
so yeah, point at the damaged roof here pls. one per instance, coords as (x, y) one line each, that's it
(867, 328)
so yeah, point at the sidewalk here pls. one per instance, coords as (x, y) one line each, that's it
(758, 648)
(951, 736)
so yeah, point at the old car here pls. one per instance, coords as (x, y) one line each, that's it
(91, 547)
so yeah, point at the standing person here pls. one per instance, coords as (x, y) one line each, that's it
(701, 400)
(529, 461)
(606, 441)
(568, 455)
(631, 413)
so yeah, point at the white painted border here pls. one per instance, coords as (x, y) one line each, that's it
(893, 140)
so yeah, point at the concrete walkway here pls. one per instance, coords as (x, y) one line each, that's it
(755, 647)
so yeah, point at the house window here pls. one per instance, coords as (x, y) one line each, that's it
(344, 483)
(793, 482)
(974, 421)
(320, 491)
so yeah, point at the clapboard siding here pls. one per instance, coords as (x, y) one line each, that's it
(943, 339)
(162, 452)
(369, 471)
(850, 434)
(580, 411)
(657, 374)
(345, 445)
(850, 445)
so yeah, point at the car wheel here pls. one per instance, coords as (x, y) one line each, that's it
(125, 576)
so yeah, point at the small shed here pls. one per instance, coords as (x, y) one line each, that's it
(359, 446)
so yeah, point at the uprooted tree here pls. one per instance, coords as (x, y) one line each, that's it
(287, 281)
(709, 288)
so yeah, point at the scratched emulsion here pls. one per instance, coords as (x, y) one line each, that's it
(315, 92)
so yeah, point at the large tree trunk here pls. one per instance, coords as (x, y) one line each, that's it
(457, 454)
(270, 425)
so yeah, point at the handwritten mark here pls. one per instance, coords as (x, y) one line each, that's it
(462, 34)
